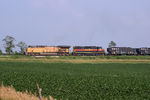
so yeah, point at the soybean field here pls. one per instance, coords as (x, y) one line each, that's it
(79, 81)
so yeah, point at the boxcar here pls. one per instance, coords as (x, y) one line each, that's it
(47, 50)
(88, 50)
(121, 51)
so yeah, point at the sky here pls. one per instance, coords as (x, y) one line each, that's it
(76, 22)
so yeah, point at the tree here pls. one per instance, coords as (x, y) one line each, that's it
(9, 44)
(112, 44)
(22, 46)
(1, 52)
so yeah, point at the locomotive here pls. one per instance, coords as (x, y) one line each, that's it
(88, 51)
(48, 50)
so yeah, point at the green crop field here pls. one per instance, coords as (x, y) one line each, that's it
(80, 81)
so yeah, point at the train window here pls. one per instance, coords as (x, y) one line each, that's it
(99, 48)
(77, 47)
(89, 47)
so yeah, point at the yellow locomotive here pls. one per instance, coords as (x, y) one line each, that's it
(47, 50)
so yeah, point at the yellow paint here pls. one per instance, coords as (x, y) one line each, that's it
(46, 49)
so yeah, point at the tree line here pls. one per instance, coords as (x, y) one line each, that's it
(9, 45)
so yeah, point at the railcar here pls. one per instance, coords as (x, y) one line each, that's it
(88, 51)
(121, 51)
(47, 50)
(143, 51)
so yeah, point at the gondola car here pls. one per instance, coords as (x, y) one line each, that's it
(121, 51)
(88, 51)
(143, 51)
(47, 50)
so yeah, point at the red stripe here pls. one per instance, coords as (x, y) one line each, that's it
(88, 49)
(100, 50)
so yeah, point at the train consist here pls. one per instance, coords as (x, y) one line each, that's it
(84, 51)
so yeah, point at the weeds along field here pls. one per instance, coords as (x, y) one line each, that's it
(72, 81)
(76, 59)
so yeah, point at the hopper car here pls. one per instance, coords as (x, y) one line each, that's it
(143, 51)
(121, 51)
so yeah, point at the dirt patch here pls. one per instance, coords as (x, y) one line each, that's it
(9, 93)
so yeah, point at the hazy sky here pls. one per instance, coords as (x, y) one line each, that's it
(76, 22)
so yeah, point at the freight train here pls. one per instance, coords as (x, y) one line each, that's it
(84, 51)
